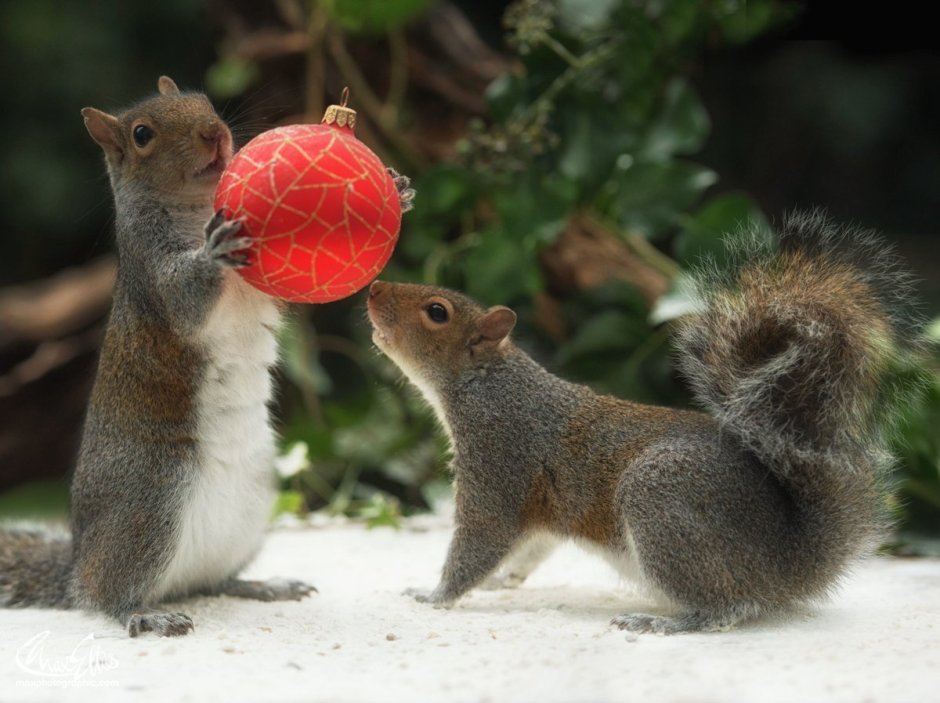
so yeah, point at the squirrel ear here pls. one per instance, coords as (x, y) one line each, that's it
(104, 129)
(495, 326)
(166, 86)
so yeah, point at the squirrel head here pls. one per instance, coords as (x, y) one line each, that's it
(173, 144)
(435, 335)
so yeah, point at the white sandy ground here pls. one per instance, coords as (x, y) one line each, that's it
(361, 640)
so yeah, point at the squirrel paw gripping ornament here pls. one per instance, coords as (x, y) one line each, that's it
(322, 209)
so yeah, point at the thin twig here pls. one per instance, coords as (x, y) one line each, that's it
(371, 105)
(562, 51)
(398, 69)
(639, 245)
(306, 340)
(569, 75)
(316, 71)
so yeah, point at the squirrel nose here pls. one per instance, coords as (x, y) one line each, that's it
(376, 288)
(211, 132)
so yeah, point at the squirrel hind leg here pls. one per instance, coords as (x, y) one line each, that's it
(685, 622)
(161, 623)
(520, 563)
(270, 590)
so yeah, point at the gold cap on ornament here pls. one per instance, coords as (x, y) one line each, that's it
(340, 115)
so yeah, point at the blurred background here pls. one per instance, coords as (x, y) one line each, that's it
(572, 159)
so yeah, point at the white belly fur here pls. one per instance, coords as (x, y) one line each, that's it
(227, 506)
(627, 563)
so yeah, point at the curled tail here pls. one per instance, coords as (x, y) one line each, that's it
(790, 355)
(35, 568)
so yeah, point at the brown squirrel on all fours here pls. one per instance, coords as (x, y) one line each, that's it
(760, 503)
(174, 483)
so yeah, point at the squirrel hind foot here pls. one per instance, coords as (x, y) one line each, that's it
(162, 624)
(693, 621)
(499, 582)
(269, 591)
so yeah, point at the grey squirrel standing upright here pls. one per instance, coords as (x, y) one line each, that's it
(174, 485)
(761, 503)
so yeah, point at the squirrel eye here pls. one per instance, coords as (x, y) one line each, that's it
(437, 312)
(142, 135)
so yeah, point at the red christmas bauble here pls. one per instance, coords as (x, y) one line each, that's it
(321, 207)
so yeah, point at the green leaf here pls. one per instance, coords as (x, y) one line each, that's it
(534, 207)
(288, 502)
(294, 458)
(381, 511)
(373, 16)
(582, 18)
(504, 95)
(320, 442)
(703, 233)
(576, 155)
(680, 126)
(929, 492)
(607, 330)
(742, 20)
(933, 331)
(37, 499)
(301, 361)
(501, 269)
(680, 21)
(681, 299)
(437, 492)
(611, 294)
(230, 76)
(647, 197)
(444, 189)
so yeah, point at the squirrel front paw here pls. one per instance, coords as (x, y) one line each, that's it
(405, 192)
(222, 246)
(433, 598)
(498, 582)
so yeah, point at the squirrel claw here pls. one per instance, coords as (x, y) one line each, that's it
(163, 624)
(431, 598)
(502, 581)
(405, 193)
(289, 589)
(419, 594)
(222, 246)
(637, 623)
(270, 590)
(233, 262)
(218, 218)
(662, 625)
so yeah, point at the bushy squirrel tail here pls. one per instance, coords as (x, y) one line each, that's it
(35, 567)
(790, 354)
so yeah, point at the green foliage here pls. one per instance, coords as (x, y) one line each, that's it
(38, 500)
(917, 445)
(289, 501)
(230, 76)
(697, 239)
(60, 58)
(381, 511)
(599, 117)
(602, 119)
(361, 445)
(373, 16)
